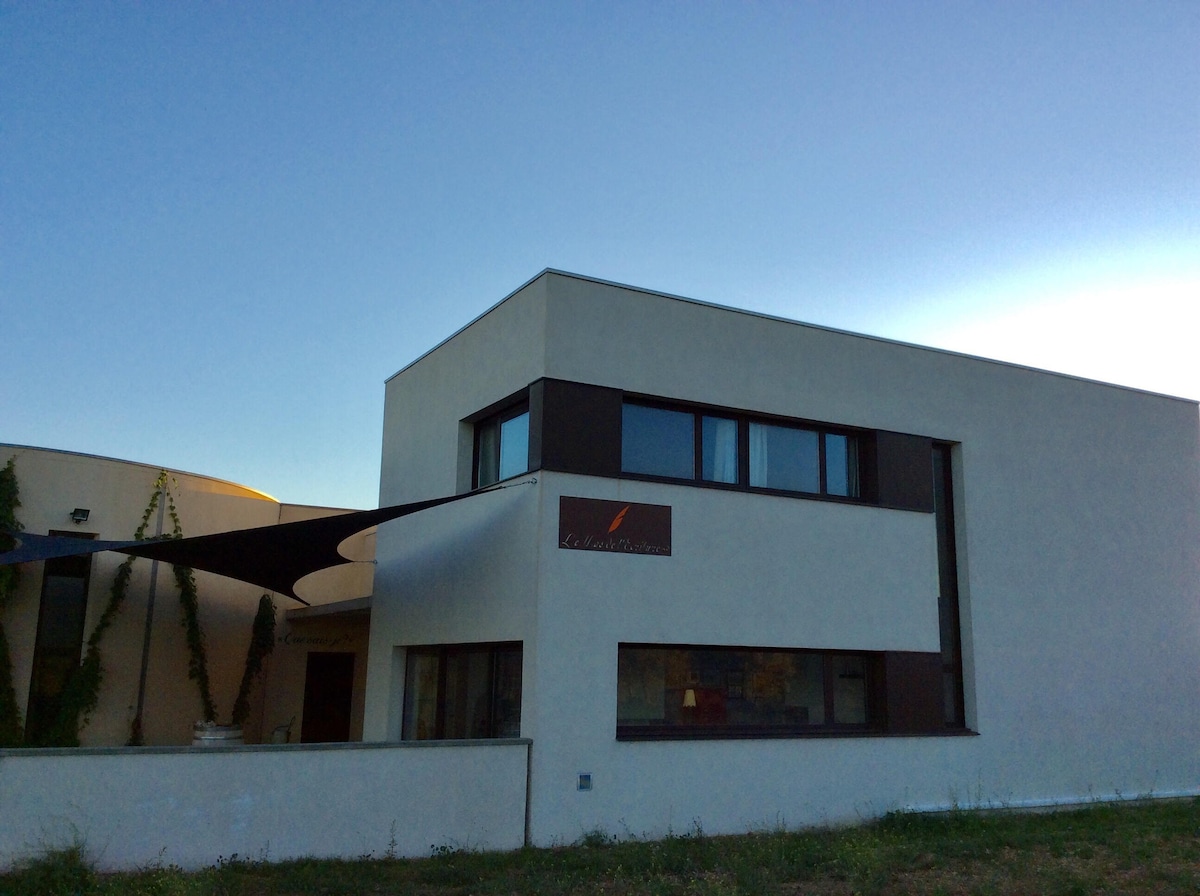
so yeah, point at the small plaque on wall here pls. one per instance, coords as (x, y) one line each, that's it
(587, 524)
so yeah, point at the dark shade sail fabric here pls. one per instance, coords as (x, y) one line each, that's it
(272, 557)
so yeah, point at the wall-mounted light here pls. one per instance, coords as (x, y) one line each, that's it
(689, 698)
(80, 515)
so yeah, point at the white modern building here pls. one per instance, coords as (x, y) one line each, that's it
(645, 565)
(751, 572)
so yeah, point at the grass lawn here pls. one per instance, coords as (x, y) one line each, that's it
(1151, 847)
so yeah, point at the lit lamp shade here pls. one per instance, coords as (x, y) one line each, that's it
(689, 698)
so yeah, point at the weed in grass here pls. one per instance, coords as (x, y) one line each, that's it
(391, 847)
(64, 870)
(158, 880)
(595, 839)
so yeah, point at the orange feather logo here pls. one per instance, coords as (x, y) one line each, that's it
(618, 519)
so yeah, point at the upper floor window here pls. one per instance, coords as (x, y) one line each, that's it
(658, 441)
(502, 445)
(678, 443)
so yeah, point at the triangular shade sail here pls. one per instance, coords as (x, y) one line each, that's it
(272, 557)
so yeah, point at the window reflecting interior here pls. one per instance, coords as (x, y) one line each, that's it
(738, 691)
(658, 442)
(462, 692)
(467, 703)
(784, 457)
(849, 689)
(421, 696)
(719, 454)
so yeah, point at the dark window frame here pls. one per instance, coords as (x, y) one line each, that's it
(875, 698)
(949, 609)
(444, 653)
(856, 439)
(492, 421)
(576, 428)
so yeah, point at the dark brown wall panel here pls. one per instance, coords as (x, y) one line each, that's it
(575, 428)
(914, 693)
(904, 465)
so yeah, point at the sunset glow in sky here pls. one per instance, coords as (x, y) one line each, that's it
(222, 226)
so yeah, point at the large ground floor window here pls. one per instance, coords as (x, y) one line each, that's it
(462, 691)
(688, 691)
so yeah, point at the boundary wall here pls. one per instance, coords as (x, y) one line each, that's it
(190, 807)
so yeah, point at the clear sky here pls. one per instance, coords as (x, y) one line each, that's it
(223, 226)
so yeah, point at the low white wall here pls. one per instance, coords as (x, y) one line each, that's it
(190, 807)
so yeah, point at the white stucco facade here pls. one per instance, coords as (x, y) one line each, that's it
(1078, 568)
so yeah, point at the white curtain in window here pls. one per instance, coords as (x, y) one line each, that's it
(723, 465)
(758, 454)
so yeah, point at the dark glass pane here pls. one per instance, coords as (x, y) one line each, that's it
(804, 696)
(467, 711)
(784, 458)
(506, 688)
(736, 690)
(63, 603)
(641, 686)
(719, 455)
(420, 696)
(849, 690)
(488, 471)
(514, 446)
(460, 692)
(658, 442)
(841, 465)
(59, 641)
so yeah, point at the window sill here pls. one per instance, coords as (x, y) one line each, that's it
(790, 734)
(751, 489)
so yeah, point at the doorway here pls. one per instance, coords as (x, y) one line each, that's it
(328, 692)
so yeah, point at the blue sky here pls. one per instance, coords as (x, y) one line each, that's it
(222, 226)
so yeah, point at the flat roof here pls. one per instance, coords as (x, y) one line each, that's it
(784, 320)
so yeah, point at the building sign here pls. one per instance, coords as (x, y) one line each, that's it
(586, 524)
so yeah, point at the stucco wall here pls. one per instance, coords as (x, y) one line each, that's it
(133, 808)
(1077, 508)
(462, 572)
(117, 492)
(295, 639)
(425, 452)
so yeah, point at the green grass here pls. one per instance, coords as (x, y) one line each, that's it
(1124, 848)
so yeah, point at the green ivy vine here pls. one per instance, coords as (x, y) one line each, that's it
(262, 642)
(81, 693)
(12, 729)
(189, 602)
